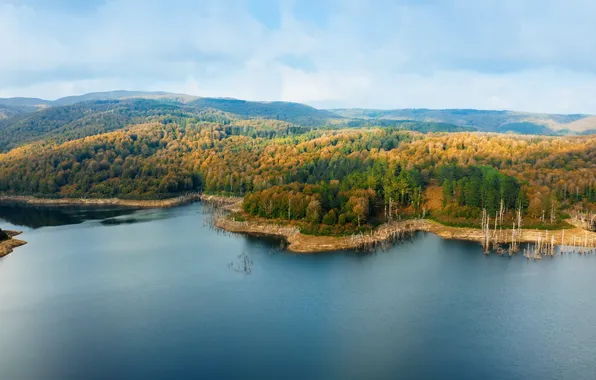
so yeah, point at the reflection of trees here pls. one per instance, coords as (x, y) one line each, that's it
(243, 264)
(36, 217)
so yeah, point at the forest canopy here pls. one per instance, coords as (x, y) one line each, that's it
(331, 176)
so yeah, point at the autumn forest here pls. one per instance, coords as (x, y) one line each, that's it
(328, 177)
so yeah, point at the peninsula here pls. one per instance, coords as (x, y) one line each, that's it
(8, 242)
(303, 243)
(236, 221)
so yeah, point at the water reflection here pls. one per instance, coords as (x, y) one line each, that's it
(158, 300)
(37, 217)
(141, 216)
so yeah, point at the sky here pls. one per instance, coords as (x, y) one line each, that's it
(525, 55)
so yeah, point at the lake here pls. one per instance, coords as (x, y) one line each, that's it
(150, 294)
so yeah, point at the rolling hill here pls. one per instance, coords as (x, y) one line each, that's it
(284, 111)
(288, 111)
(485, 120)
(58, 124)
(292, 112)
(64, 123)
(120, 95)
(7, 111)
(35, 104)
(27, 119)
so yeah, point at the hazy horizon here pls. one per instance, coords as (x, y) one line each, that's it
(305, 103)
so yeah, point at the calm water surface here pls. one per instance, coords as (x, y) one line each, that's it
(150, 294)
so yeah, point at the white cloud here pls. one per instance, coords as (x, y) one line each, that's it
(322, 86)
(545, 90)
(517, 54)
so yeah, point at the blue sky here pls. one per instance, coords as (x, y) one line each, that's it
(527, 55)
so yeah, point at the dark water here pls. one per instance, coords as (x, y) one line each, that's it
(157, 300)
(37, 217)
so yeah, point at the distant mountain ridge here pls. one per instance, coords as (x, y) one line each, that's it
(107, 95)
(287, 111)
(448, 120)
(93, 116)
(485, 120)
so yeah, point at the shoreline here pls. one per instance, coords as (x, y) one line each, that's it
(7, 246)
(301, 243)
(99, 202)
(298, 242)
(231, 204)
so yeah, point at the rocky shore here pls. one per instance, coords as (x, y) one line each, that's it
(232, 204)
(6, 246)
(301, 243)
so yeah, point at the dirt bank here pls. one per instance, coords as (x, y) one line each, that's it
(301, 243)
(233, 204)
(561, 237)
(6, 246)
(162, 203)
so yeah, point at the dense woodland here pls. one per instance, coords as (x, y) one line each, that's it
(60, 124)
(331, 179)
(88, 118)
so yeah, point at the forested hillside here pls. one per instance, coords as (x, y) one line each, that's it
(410, 125)
(423, 120)
(36, 104)
(284, 111)
(294, 163)
(88, 118)
(338, 179)
(291, 112)
(7, 111)
(59, 124)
